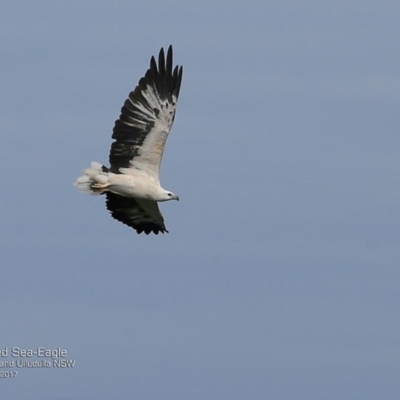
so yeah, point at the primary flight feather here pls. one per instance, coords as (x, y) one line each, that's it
(131, 183)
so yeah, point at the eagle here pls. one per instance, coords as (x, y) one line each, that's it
(131, 184)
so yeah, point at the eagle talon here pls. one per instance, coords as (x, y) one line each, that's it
(96, 185)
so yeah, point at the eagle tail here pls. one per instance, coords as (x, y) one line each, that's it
(94, 179)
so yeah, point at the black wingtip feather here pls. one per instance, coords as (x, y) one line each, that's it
(169, 60)
(153, 65)
(161, 62)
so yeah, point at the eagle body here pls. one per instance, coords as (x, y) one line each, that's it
(131, 183)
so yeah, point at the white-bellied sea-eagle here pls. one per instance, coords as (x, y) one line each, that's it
(131, 183)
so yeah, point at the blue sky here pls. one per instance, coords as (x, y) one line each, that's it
(279, 277)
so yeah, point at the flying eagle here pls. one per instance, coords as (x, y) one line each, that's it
(131, 183)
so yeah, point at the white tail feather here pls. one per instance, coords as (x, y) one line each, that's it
(93, 175)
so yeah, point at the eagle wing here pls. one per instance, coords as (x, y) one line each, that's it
(146, 118)
(141, 215)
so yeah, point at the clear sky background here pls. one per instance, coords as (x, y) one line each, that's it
(279, 278)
